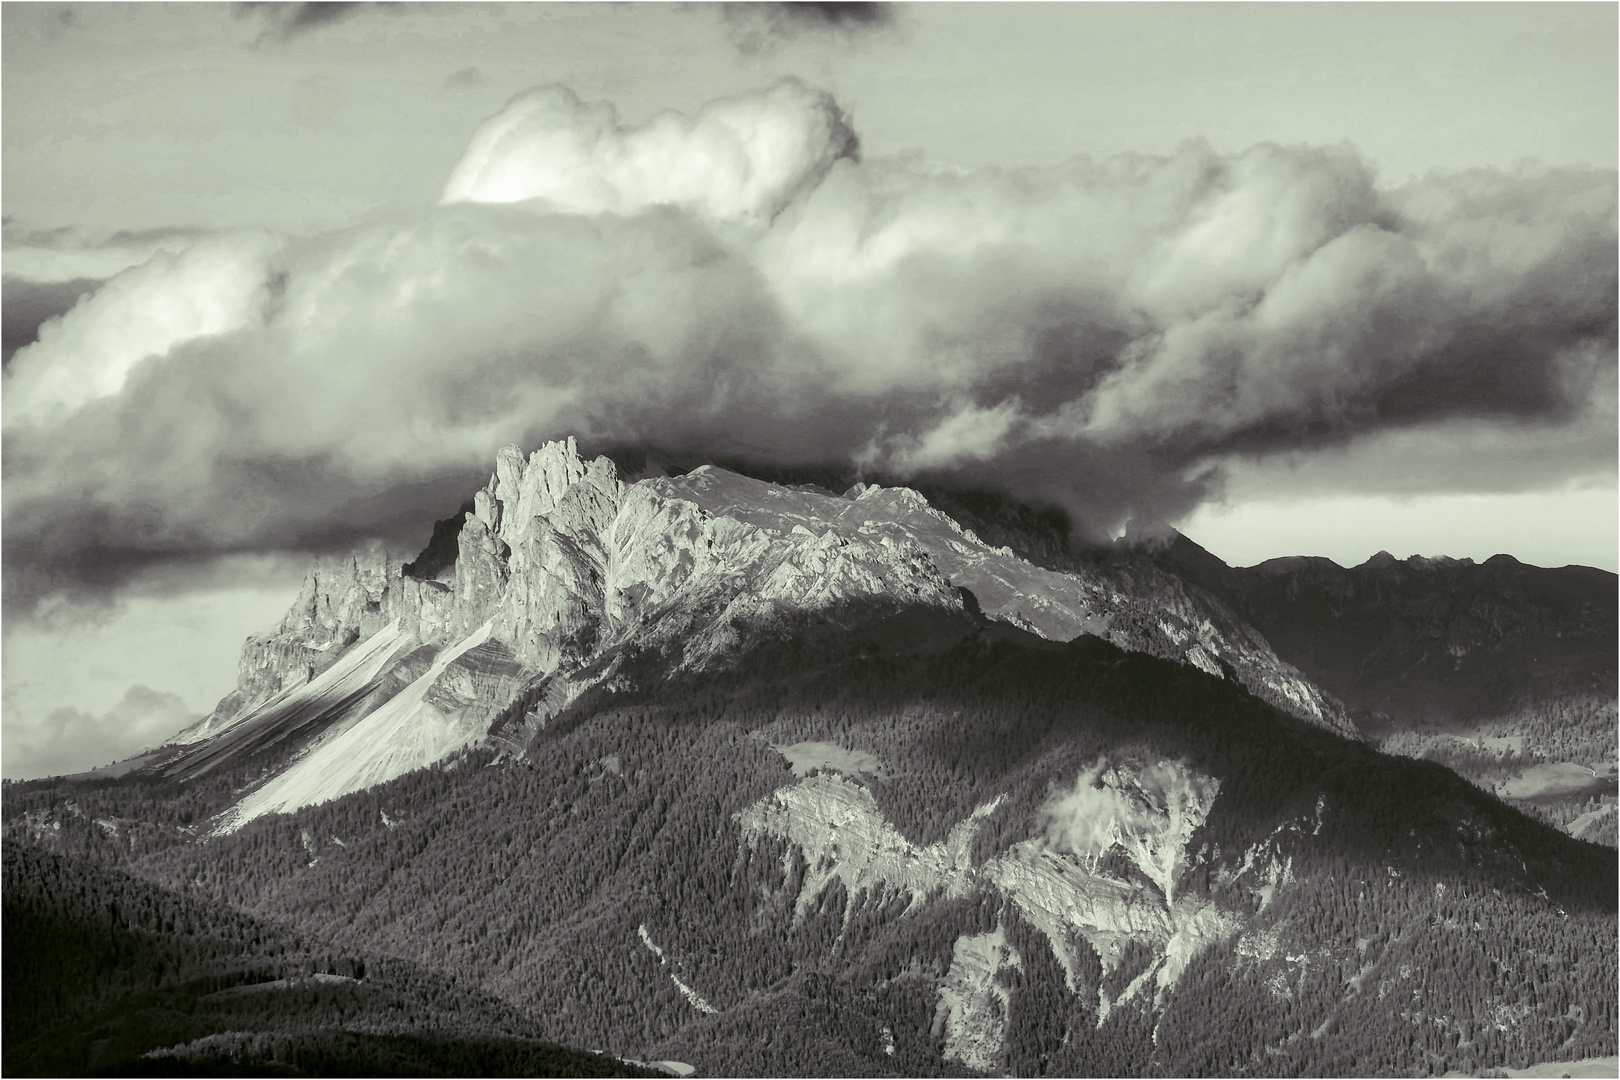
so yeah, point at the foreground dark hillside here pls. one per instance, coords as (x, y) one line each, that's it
(107, 974)
(1382, 915)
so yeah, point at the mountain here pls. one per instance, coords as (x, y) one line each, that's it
(1503, 671)
(562, 575)
(771, 779)
(1425, 640)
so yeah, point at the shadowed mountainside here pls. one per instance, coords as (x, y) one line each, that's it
(1059, 858)
(1420, 640)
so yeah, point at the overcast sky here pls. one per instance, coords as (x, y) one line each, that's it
(1301, 279)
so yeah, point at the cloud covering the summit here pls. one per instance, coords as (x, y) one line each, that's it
(1100, 333)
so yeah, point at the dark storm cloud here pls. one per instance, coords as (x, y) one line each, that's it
(83, 555)
(736, 284)
(834, 16)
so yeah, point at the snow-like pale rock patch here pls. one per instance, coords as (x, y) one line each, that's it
(405, 733)
(973, 1004)
(844, 836)
(1148, 814)
(806, 756)
(1584, 1068)
(686, 991)
(1563, 778)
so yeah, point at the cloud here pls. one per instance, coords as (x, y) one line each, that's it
(211, 287)
(28, 305)
(1107, 807)
(756, 28)
(967, 433)
(1436, 458)
(1105, 334)
(467, 78)
(285, 21)
(1573, 523)
(55, 255)
(738, 160)
(69, 741)
(1147, 812)
(177, 628)
(1087, 820)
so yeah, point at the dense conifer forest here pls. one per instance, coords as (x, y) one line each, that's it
(496, 902)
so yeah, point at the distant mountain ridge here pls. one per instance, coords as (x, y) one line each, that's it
(1502, 671)
(1424, 639)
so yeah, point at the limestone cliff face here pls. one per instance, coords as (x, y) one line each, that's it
(1146, 814)
(974, 1002)
(560, 565)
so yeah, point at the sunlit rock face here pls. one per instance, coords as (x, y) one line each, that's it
(1060, 882)
(837, 824)
(560, 566)
(562, 571)
(440, 711)
(974, 1002)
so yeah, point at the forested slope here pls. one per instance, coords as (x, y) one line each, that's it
(111, 975)
(1355, 913)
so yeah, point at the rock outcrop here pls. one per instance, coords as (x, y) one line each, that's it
(973, 1000)
(560, 566)
(1076, 902)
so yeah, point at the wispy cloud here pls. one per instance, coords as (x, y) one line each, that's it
(757, 28)
(467, 78)
(285, 21)
(68, 740)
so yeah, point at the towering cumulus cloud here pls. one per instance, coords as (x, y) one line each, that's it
(212, 287)
(738, 160)
(1101, 333)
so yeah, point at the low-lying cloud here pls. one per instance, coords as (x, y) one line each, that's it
(1149, 812)
(738, 281)
(70, 741)
(1144, 804)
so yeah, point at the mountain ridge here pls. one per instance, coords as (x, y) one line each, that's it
(571, 569)
(772, 779)
(993, 873)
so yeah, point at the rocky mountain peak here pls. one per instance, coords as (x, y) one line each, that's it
(561, 570)
(520, 491)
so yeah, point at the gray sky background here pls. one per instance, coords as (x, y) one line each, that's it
(144, 116)
(292, 161)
